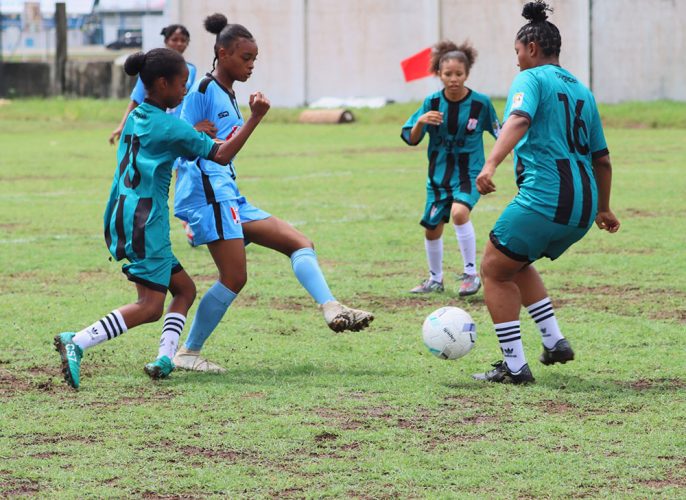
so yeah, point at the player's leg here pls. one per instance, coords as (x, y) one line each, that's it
(229, 257)
(218, 226)
(71, 346)
(274, 233)
(503, 300)
(436, 213)
(183, 292)
(466, 240)
(556, 349)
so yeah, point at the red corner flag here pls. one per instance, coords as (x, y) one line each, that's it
(417, 66)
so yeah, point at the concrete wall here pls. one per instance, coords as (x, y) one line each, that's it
(628, 49)
(639, 49)
(101, 79)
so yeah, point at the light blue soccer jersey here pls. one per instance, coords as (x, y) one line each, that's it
(137, 215)
(201, 182)
(138, 93)
(553, 161)
(456, 148)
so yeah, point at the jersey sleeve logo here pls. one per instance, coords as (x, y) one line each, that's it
(234, 129)
(518, 100)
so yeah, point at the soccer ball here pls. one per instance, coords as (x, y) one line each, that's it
(449, 333)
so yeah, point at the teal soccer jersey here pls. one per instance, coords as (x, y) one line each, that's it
(456, 148)
(553, 166)
(137, 215)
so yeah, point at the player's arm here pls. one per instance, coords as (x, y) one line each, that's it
(116, 133)
(259, 105)
(428, 118)
(602, 168)
(512, 132)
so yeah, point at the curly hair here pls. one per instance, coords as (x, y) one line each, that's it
(447, 50)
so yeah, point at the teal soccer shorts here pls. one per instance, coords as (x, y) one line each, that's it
(525, 235)
(436, 212)
(153, 272)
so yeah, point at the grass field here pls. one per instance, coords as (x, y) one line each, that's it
(306, 413)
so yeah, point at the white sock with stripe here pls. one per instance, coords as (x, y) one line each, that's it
(171, 331)
(434, 254)
(543, 314)
(107, 328)
(466, 239)
(511, 345)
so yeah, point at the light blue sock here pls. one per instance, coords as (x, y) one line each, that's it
(306, 269)
(210, 312)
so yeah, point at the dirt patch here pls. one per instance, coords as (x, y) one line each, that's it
(291, 304)
(16, 487)
(556, 407)
(43, 439)
(231, 456)
(341, 420)
(390, 303)
(629, 300)
(10, 384)
(669, 480)
(325, 436)
(655, 384)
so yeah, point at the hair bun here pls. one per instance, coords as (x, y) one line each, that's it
(535, 12)
(134, 63)
(216, 23)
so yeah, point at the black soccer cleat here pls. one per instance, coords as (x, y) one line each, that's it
(560, 353)
(502, 374)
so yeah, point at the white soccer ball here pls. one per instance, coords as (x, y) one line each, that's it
(449, 333)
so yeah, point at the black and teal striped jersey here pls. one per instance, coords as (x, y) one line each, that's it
(553, 161)
(456, 148)
(137, 215)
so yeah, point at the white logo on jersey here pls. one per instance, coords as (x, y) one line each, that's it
(472, 123)
(518, 100)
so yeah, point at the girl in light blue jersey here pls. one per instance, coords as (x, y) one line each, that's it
(455, 118)
(208, 199)
(136, 220)
(564, 174)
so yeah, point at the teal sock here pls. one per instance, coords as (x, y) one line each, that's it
(210, 312)
(306, 269)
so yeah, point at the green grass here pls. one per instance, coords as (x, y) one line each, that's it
(303, 412)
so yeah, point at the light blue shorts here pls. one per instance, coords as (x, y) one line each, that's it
(525, 235)
(221, 220)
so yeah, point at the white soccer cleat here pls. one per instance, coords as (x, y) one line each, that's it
(191, 360)
(341, 318)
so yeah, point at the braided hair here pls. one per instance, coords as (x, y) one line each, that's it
(447, 50)
(226, 33)
(539, 29)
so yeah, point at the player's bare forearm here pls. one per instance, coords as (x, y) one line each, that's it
(602, 167)
(512, 132)
(416, 133)
(230, 148)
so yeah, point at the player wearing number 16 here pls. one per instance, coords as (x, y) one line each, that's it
(563, 171)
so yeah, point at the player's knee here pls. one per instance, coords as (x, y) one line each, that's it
(152, 311)
(236, 281)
